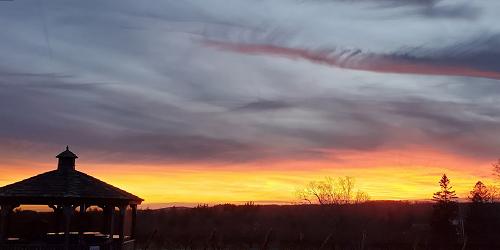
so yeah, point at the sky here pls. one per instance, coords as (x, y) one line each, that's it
(212, 101)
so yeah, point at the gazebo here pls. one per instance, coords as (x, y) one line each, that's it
(64, 190)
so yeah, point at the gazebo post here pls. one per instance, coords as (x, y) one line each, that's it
(105, 219)
(81, 229)
(57, 214)
(67, 210)
(134, 221)
(111, 210)
(3, 222)
(121, 232)
(5, 211)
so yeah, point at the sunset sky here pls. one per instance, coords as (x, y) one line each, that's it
(211, 101)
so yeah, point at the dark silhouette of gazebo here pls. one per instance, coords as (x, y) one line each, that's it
(64, 190)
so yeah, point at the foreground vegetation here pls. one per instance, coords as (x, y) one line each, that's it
(371, 225)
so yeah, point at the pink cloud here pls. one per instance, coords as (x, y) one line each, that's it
(356, 60)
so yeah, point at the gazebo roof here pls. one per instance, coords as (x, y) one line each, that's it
(65, 185)
(66, 154)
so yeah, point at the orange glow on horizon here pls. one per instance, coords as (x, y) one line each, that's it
(385, 175)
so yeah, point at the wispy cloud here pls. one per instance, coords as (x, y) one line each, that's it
(358, 60)
(132, 81)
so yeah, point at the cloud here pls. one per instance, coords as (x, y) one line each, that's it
(426, 8)
(394, 2)
(458, 11)
(109, 123)
(131, 82)
(479, 52)
(357, 60)
(264, 105)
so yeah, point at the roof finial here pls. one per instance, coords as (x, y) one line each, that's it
(66, 160)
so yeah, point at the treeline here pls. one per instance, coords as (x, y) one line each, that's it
(370, 225)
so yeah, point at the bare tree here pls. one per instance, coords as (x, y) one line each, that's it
(361, 197)
(496, 168)
(321, 192)
(331, 191)
(494, 190)
(480, 193)
(345, 186)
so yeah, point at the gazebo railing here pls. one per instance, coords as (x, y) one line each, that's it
(33, 247)
(127, 245)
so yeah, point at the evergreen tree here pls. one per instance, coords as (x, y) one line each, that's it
(446, 194)
(444, 235)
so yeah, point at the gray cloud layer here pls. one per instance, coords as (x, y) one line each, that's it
(132, 82)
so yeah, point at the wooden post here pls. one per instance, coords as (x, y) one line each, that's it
(81, 225)
(133, 232)
(67, 211)
(121, 232)
(5, 211)
(105, 219)
(111, 210)
(57, 217)
(3, 222)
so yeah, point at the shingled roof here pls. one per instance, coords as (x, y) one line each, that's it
(65, 185)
